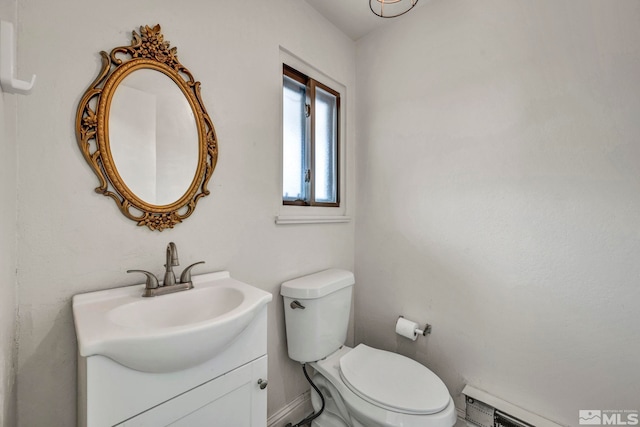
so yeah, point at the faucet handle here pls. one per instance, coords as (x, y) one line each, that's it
(152, 280)
(185, 277)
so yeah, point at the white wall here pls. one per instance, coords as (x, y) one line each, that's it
(73, 240)
(499, 197)
(8, 229)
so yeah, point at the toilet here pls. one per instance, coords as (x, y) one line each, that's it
(362, 386)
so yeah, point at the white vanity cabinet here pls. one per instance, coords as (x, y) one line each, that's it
(234, 399)
(227, 391)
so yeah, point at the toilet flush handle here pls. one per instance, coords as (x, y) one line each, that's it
(296, 304)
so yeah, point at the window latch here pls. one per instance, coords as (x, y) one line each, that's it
(307, 176)
(307, 110)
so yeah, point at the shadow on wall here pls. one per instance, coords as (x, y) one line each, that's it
(50, 369)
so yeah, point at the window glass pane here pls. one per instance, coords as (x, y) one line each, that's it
(294, 147)
(326, 140)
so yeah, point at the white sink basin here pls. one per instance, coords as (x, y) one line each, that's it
(170, 332)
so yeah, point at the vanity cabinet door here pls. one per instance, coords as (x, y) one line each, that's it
(233, 399)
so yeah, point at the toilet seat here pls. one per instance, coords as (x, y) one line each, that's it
(393, 382)
(373, 414)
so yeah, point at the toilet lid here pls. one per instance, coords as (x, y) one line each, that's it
(392, 381)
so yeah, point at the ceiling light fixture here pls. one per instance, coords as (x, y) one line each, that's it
(391, 8)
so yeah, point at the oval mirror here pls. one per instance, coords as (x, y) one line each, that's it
(143, 128)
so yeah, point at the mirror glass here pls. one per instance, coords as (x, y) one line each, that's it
(153, 137)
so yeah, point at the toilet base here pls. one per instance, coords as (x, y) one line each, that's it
(332, 416)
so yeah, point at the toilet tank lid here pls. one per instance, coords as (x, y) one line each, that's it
(318, 284)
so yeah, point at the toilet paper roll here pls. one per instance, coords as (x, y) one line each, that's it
(407, 328)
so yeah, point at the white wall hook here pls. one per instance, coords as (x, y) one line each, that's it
(8, 63)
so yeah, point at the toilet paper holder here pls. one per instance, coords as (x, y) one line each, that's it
(426, 330)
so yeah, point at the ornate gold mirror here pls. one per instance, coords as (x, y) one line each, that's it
(143, 128)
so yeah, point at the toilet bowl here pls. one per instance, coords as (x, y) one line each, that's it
(348, 405)
(363, 386)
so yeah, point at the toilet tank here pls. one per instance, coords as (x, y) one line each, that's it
(320, 328)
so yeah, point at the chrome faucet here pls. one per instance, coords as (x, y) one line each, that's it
(169, 285)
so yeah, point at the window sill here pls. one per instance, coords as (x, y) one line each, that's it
(308, 219)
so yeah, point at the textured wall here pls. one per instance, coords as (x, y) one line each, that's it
(499, 197)
(73, 240)
(8, 229)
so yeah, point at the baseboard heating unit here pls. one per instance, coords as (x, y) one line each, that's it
(486, 410)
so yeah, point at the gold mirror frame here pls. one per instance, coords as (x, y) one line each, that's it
(148, 50)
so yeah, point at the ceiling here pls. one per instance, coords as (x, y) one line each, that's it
(353, 17)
